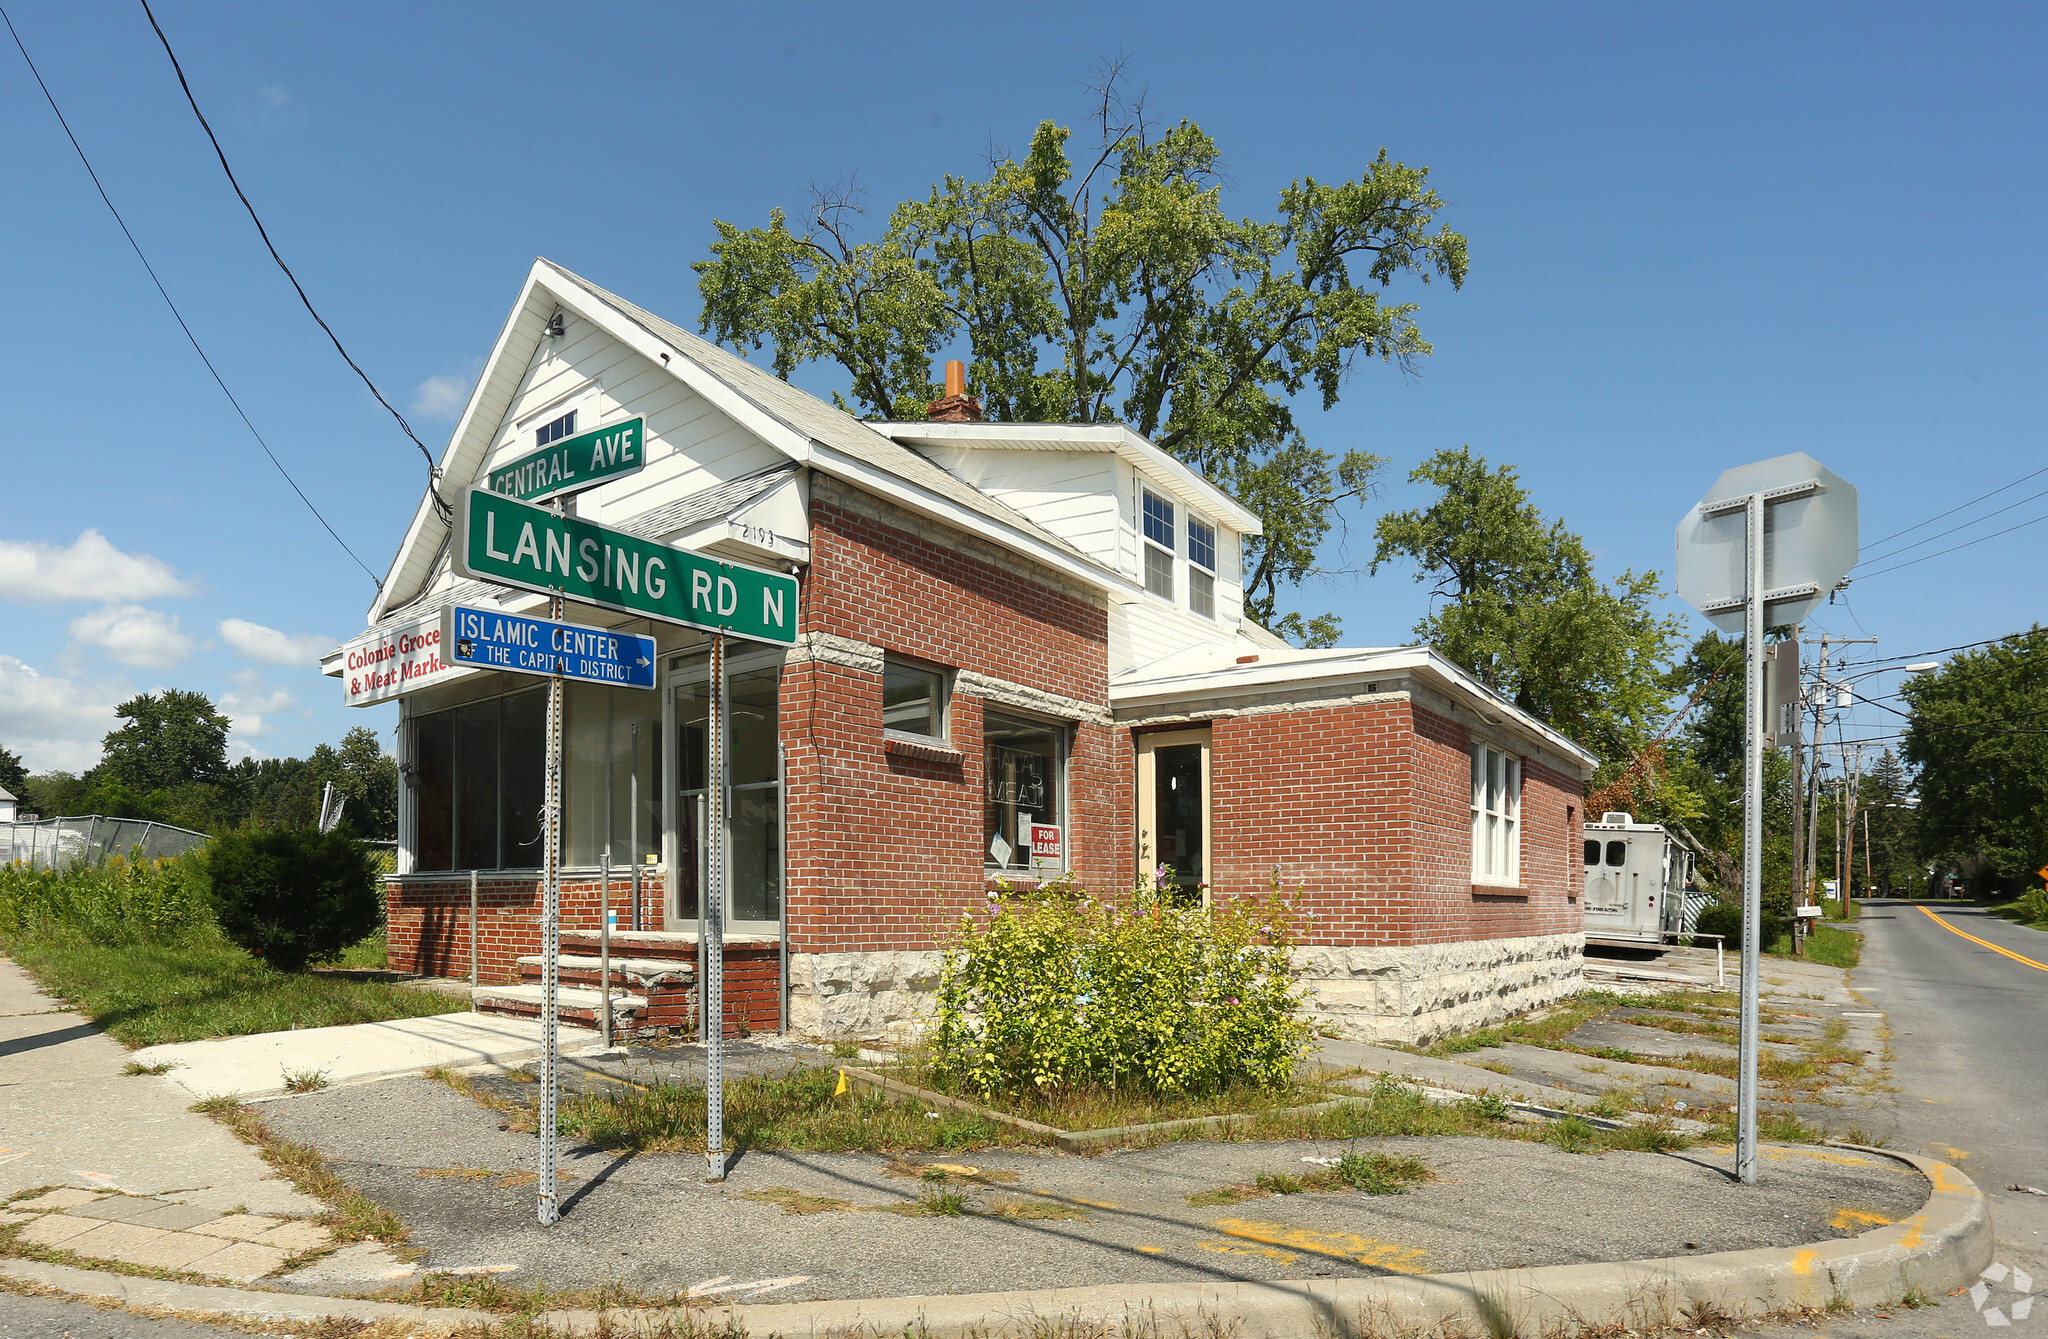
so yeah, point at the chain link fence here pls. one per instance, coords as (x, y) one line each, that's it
(53, 843)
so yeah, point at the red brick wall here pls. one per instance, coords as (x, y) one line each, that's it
(884, 847)
(1364, 809)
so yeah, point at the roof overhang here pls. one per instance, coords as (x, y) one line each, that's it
(1189, 488)
(1210, 675)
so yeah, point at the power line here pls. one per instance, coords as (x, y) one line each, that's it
(1952, 548)
(1953, 510)
(1904, 548)
(433, 470)
(175, 313)
(1942, 651)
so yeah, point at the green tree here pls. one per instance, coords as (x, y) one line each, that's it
(171, 738)
(1114, 286)
(1524, 613)
(368, 776)
(1977, 739)
(13, 776)
(1889, 834)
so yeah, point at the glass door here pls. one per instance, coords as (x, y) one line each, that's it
(1173, 812)
(753, 871)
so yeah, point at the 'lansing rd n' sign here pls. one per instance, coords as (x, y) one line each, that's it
(514, 543)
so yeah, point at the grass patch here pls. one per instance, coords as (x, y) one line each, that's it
(1095, 1107)
(367, 954)
(795, 1111)
(146, 994)
(1549, 1027)
(137, 1067)
(1774, 1126)
(351, 1216)
(796, 1202)
(1368, 1173)
(2029, 909)
(1827, 945)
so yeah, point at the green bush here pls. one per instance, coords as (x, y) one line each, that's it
(2033, 906)
(113, 902)
(1725, 918)
(292, 896)
(1060, 988)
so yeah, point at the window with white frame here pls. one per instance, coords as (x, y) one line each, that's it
(1496, 816)
(913, 699)
(1159, 525)
(555, 430)
(1201, 568)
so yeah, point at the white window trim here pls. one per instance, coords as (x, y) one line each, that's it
(1496, 832)
(1145, 541)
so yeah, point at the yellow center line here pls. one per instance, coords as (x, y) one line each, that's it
(2016, 957)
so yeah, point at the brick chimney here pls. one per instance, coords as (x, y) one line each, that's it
(957, 406)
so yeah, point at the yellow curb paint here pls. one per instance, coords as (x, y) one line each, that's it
(1910, 1237)
(1097, 1204)
(1953, 1154)
(1948, 1178)
(1350, 1246)
(1819, 1155)
(1151, 1250)
(2016, 957)
(954, 1168)
(1845, 1219)
(1232, 1248)
(1802, 1261)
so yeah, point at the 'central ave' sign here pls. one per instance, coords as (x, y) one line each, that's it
(515, 543)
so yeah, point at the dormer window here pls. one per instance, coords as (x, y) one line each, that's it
(1201, 568)
(565, 426)
(1159, 524)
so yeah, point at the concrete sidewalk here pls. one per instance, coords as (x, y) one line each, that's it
(69, 1117)
(258, 1065)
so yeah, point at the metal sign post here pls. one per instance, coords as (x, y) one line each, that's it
(550, 950)
(711, 916)
(604, 948)
(1796, 539)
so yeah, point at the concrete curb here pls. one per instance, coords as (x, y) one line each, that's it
(1939, 1248)
(142, 1294)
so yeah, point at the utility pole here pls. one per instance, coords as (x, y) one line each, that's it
(1803, 868)
(1854, 773)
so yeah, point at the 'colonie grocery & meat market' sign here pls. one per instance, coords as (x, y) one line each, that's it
(514, 543)
(396, 660)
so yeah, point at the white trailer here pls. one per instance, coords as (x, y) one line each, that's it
(1636, 875)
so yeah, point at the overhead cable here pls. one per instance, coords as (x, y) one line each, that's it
(175, 313)
(1979, 520)
(1952, 548)
(1953, 510)
(433, 470)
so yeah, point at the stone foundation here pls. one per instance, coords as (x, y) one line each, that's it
(1417, 993)
(1412, 993)
(879, 996)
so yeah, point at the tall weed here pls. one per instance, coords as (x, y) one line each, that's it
(1061, 987)
(112, 902)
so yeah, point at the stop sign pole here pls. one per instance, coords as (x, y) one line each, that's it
(1797, 539)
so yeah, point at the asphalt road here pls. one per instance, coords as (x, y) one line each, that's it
(1969, 1035)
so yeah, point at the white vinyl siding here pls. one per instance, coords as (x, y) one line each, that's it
(1496, 816)
(1070, 493)
(691, 446)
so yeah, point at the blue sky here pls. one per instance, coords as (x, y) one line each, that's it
(1701, 235)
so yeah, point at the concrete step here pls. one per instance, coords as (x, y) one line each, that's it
(656, 943)
(571, 1002)
(643, 973)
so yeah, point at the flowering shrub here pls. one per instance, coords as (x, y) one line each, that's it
(1061, 987)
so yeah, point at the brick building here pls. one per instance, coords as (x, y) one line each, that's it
(1021, 654)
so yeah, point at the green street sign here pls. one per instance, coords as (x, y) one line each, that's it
(574, 463)
(515, 543)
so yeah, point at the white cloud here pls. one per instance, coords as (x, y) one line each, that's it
(91, 569)
(253, 701)
(440, 397)
(132, 635)
(273, 647)
(52, 722)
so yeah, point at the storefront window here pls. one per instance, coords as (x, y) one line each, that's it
(602, 759)
(1025, 827)
(754, 781)
(479, 783)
